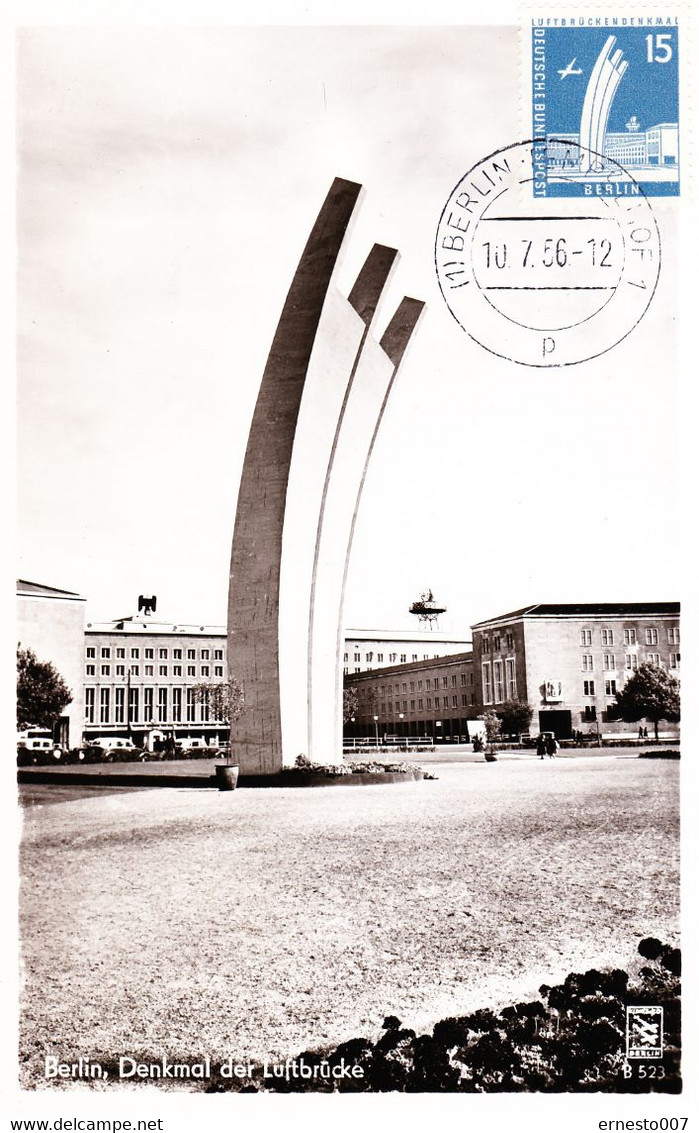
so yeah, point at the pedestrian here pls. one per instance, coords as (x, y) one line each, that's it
(640, 732)
(541, 746)
(551, 747)
(645, 733)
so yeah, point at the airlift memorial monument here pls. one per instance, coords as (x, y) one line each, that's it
(319, 408)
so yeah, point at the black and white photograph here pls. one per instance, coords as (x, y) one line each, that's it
(349, 567)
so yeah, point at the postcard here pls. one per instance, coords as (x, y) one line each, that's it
(349, 374)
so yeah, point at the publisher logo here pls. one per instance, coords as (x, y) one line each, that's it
(644, 1032)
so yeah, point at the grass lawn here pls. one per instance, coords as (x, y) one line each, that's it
(264, 922)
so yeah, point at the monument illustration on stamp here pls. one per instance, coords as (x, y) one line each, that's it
(320, 404)
(549, 284)
(605, 96)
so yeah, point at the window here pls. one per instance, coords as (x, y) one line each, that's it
(379, 656)
(148, 670)
(487, 684)
(162, 654)
(419, 704)
(496, 643)
(404, 687)
(177, 670)
(218, 655)
(89, 706)
(218, 670)
(586, 662)
(177, 705)
(148, 705)
(609, 661)
(463, 679)
(412, 705)
(162, 705)
(511, 678)
(414, 656)
(177, 654)
(674, 660)
(464, 700)
(134, 670)
(190, 706)
(357, 656)
(436, 702)
(162, 670)
(134, 654)
(673, 635)
(588, 688)
(428, 684)
(651, 635)
(486, 645)
(121, 652)
(392, 657)
(205, 654)
(586, 637)
(120, 670)
(654, 658)
(454, 701)
(419, 686)
(205, 670)
(119, 705)
(148, 654)
(610, 688)
(133, 705)
(105, 670)
(369, 656)
(509, 640)
(631, 661)
(205, 708)
(90, 670)
(191, 670)
(90, 651)
(499, 689)
(412, 686)
(403, 657)
(429, 703)
(191, 654)
(589, 712)
(453, 680)
(445, 682)
(629, 637)
(607, 637)
(345, 657)
(105, 651)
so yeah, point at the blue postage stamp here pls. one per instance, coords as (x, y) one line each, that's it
(605, 100)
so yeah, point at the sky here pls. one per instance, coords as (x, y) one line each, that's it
(167, 180)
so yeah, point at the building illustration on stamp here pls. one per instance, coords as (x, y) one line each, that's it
(320, 404)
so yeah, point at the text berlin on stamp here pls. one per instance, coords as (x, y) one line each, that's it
(549, 285)
(606, 89)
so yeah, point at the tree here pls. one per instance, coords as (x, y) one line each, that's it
(350, 703)
(42, 694)
(226, 699)
(515, 716)
(652, 694)
(492, 727)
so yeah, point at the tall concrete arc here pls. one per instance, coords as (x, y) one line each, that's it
(322, 354)
(604, 80)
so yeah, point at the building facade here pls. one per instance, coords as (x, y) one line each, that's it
(140, 675)
(51, 623)
(369, 649)
(566, 661)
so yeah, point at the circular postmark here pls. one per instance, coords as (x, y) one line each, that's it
(552, 280)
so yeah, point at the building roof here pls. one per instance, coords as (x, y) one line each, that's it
(425, 636)
(386, 671)
(587, 610)
(39, 588)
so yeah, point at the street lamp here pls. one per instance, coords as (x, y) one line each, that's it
(438, 724)
(400, 717)
(376, 726)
